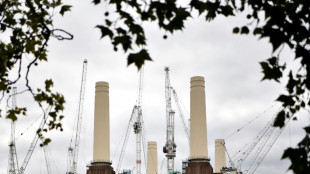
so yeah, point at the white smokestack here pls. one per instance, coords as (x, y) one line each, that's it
(198, 122)
(220, 158)
(152, 157)
(102, 123)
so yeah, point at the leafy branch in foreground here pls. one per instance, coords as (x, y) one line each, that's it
(26, 27)
(285, 23)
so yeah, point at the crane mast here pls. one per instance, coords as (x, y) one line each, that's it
(74, 151)
(170, 147)
(138, 124)
(13, 163)
(48, 168)
(130, 124)
(135, 122)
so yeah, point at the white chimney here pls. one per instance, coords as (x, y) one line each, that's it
(198, 122)
(102, 123)
(152, 157)
(220, 158)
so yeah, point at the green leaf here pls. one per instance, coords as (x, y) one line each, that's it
(307, 129)
(236, 30)
(276, 37)
(286, 100)
(280, 119)
(136, 29)
(140, 40)
(48, 84)
(292, 83)
(257, 31)
(46, 141)
(227, 10)
(64, 9)
(271, 70)
(108, 22)
(96, 2)
(198, 5)
(138, 58)
(125, 41)
(12, 115)
(245, 30)
(105, 31)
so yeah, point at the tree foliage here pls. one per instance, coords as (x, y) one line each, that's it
(285, 23)
(26, 28)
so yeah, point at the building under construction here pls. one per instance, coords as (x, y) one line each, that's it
(198, 161)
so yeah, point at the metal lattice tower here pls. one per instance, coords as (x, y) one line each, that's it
(135, 122)
(185, 127)
(34, 143)
(138, 125)
(170, 147)
(73, 151)
(13, 163)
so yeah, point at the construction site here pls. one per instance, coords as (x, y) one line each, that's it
(147, 151)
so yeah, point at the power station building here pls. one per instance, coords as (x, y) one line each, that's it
(198, 162)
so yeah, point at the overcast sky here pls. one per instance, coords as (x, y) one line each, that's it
(234, 91)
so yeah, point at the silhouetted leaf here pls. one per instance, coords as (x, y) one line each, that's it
(271, 72)
(64, 9)
(227, 10)
(236, 30)
(279, 121)
(138, 58)
(286, 100)
(257, 31)
(96, 2)
(245, 30)
(46, 141)
(105, 31)
(125, 41)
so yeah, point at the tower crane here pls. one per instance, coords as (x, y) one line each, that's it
(136, 122)
(138, 125)
(47, 163)
(262, 142)
(177, 102)
(130, 124)
(13, 163)
(33, 143)
(73, 151)
(170, 147)
(247, 150)
(262, 154)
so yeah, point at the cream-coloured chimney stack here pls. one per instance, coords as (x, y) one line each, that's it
(102, 123)
(220, 158)
(152, 157)
(198, 122)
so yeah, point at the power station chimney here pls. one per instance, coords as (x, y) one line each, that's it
(198, 160)
(198, 124)
(101, 153)
(152, 157)
(220, 158)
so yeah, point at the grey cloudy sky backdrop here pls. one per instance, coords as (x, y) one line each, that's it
(229, 63)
